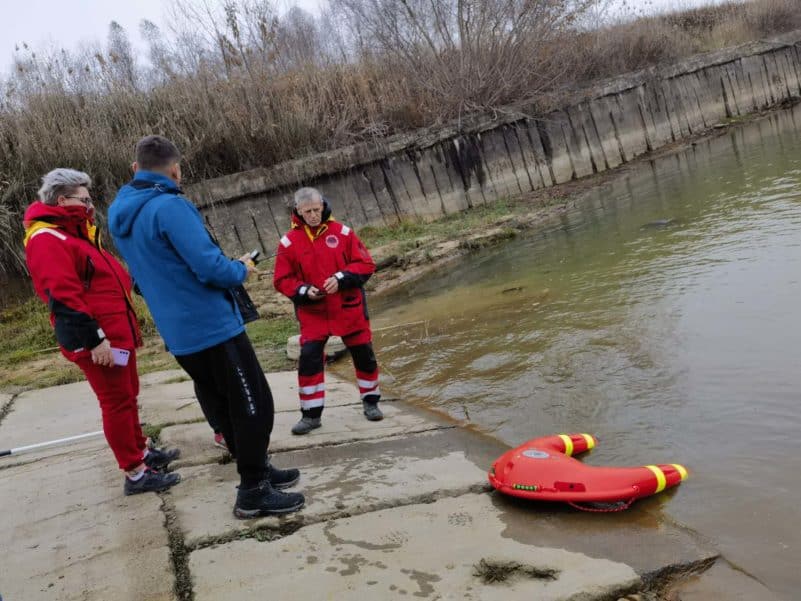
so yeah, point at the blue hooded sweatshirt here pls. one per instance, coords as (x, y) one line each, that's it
(182, 274)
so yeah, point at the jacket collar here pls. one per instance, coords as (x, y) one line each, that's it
(158, 180)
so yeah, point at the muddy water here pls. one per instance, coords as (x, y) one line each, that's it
(678, 341)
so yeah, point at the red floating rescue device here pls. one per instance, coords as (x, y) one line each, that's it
(543, 469)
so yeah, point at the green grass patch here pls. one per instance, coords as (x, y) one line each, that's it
(25, 331)
(272, 332)
(152, 431)
(269, 338)
(410, 233)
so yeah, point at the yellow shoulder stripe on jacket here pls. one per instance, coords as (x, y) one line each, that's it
(38, 227)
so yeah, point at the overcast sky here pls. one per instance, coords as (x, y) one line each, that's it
(67, 23)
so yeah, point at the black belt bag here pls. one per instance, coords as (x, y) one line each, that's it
(245, 304)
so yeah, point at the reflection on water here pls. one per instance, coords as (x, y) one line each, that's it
(676, 341)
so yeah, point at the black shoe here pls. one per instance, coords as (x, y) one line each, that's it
(158, 459)
(152, 481)
(265, 500)
(279, 478)
(372, 412)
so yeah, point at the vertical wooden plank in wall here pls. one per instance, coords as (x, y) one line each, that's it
(499, 164)
(429, 205)
(222, 222)
(473, 143)
(339, 193)
(686, 84)
(746, 102)
(791, 78)
(624, 110)
(450, 173)
(280, 202)
(654, 117)
(552, 134)
(729, 91)
(525, 179)
(775, 78)
(754, 72)
(581, 156)
(682, 111)
(383, 209)
(603, 128)
(528, 155)
(404, 183)
(249, 213)
(675, 109)
(710, 95)
(461, 162)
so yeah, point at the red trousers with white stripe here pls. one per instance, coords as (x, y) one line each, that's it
(116, 389)
(311, 371)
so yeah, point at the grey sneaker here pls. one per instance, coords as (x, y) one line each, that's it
(372, 412)
(152, 481)
(306, 425)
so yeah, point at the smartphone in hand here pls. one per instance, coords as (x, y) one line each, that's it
(120, 356)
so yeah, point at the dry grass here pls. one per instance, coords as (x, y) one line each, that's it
(247, 87)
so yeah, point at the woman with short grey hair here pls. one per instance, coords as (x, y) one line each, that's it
(62, 182)
(88, 292)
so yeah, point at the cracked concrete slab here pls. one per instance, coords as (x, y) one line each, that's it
(69, 533)
(50, 413)
(348, 480)
(166, 400)
(340, 425)
(428, 550)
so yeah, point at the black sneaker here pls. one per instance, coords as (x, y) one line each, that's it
(152, 481)
(265, 500)
(158, 459)
(279, 478)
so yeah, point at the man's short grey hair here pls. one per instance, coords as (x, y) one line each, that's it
(307, 195)
(62, 182)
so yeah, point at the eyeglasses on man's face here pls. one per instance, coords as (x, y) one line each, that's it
(87, 200)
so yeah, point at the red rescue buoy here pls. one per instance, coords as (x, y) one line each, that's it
(543, 469)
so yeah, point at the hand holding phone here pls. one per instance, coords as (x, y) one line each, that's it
(120, 356)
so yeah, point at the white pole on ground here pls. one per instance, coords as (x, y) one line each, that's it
(50, 443)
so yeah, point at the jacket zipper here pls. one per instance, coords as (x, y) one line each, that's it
(129, 307)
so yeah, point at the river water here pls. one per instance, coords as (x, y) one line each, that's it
(675, 342)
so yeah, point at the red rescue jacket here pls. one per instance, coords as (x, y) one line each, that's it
(87, 290)
(309, 256)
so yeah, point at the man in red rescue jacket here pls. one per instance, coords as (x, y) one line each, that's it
(321, 265)
(88, 293)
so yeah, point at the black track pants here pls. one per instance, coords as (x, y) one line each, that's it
(236, 399)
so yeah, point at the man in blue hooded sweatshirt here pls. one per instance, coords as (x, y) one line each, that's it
(186, 279)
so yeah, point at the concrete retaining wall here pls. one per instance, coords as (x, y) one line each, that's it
(433, 172)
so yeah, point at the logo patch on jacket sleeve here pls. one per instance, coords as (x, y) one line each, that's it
(331, 241)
